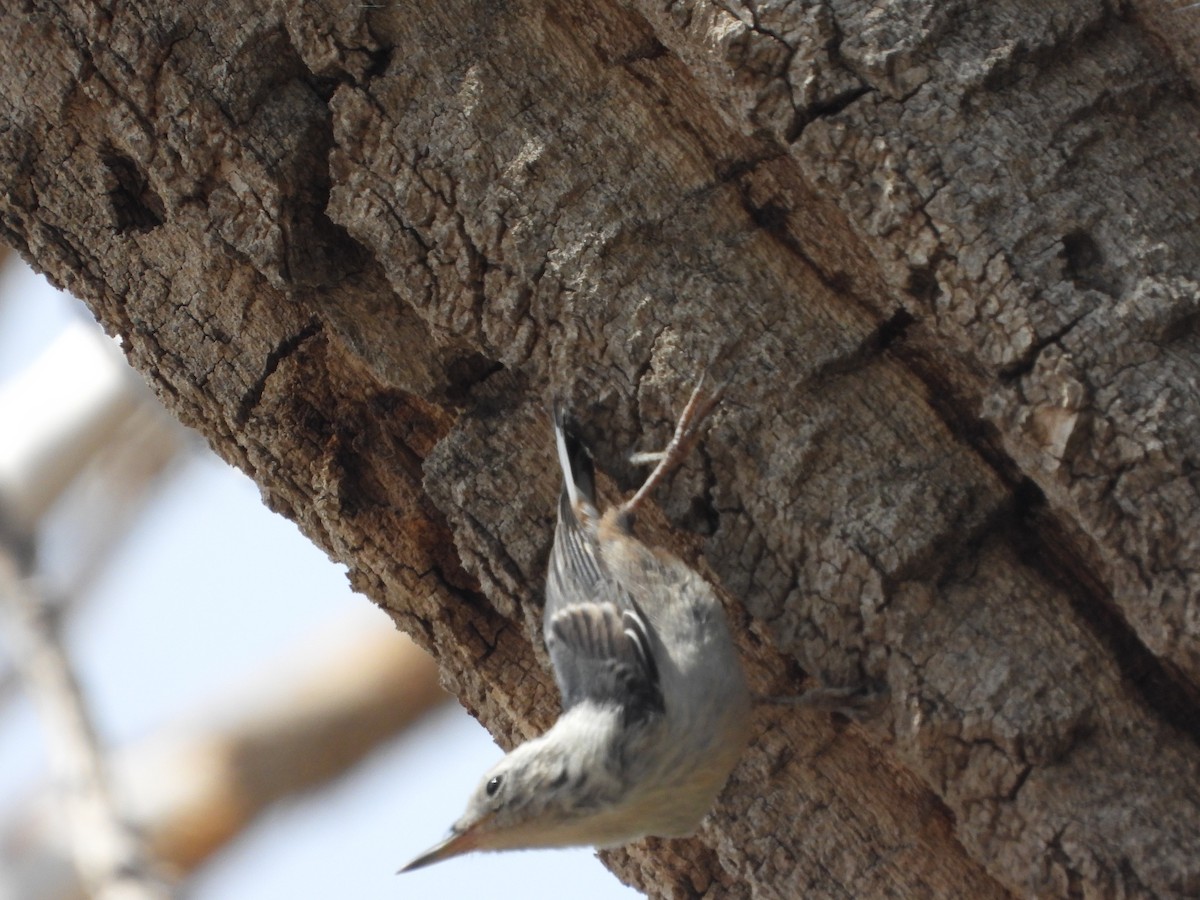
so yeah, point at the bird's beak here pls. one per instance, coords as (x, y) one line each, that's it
(459, 842)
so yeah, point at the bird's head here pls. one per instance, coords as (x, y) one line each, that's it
(537, 796)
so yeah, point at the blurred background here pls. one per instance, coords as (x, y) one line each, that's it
(191, 698)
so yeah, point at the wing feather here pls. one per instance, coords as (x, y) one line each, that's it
(600, 644)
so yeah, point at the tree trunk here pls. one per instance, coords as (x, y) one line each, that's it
(945, 255)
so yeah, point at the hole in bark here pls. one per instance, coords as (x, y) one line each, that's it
(771, 216)
(840, 283)
(654, 50)
(650, 48)
(1081, 253)
(466, 371)
(1181, 328)
(893, 329)
(1084, 262)
(822, 109)
(1027, 498)
(133, 203)
(323, 86)
(730, 169)
(703, 517)
(837, 103)
(381, 60)
(923, 285)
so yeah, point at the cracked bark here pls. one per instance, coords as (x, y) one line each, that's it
(945, 253)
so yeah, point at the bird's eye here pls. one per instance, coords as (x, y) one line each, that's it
(493, 785)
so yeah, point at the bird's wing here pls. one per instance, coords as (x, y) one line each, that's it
(599, 643)
(603, 654)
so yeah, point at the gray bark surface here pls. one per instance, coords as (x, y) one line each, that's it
(946, 255)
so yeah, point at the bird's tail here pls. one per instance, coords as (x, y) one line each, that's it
(579, 473)
(575, 567)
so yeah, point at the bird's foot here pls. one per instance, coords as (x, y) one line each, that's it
(687, 432)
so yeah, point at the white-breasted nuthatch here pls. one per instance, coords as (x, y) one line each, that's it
(655, 709)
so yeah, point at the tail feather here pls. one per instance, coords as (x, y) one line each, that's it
(575, 567)
(579, 473)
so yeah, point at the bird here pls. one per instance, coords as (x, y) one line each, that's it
(655, 706)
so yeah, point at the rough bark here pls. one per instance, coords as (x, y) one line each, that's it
(946, 255)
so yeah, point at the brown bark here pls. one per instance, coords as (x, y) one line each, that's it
(945, 253)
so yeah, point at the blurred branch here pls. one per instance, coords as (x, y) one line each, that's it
(84, 432)
(309, 718)
(110, 495)
(107, 852)
(60, 412)
(77, 409)
(194, 793)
